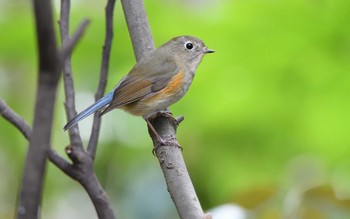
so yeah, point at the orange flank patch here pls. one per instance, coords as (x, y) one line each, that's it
(174, 84)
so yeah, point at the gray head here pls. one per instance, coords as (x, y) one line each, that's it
(188, 49)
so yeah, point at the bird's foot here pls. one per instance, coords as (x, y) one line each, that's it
(169, 142)
(169, 115)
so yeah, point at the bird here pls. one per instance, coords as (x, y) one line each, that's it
(157, 81)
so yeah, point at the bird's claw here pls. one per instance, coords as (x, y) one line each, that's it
(169, 115)
(162, 143)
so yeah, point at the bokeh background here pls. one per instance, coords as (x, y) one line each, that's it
(266, 127)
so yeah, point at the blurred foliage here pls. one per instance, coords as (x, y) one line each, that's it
(266, 119)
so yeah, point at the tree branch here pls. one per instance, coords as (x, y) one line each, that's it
(82, 168)
(91, 149)
(70, 43)
(81, 171)
(139, 29)
(15, 119)
(49, 73)
(26, 130)
(50, 62)
(170, 157)
(60, 162)
(174, 169)
(67, 71)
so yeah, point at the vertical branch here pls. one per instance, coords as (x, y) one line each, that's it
(82, 168)
(139, 29)
(49, 72)
(50, 61)
(103, 76)
(67, 74)
(170, 158)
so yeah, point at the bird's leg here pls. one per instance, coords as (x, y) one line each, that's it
(160, 140)
(166, 113)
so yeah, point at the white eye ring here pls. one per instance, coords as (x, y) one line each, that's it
(189, 45)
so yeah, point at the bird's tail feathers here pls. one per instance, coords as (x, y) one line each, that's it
(90, 110)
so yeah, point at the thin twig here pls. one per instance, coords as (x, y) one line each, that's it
(82, 168)
(67, 70)
(91, 149)
(179, 119)
(15, 119)
(70, 43)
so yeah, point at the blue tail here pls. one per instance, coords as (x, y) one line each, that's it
(90, 110)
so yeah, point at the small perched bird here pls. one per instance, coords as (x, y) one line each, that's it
(154, 83)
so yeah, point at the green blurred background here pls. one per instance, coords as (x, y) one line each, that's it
(266, 120)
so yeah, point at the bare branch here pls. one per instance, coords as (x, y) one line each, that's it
(15, 119)
(91, 149)
(82, 168)
(179, 119)
(60, 162)
(49, 73)
(82, 171)
(174, 169)
(97, 194)
(139, 29)
(69, 43)
(26, 130)
(170, 157)
(67, 71)
(50, 60)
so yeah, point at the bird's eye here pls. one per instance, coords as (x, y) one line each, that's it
(189, 45)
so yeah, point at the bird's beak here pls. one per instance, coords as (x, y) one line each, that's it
(206, 50)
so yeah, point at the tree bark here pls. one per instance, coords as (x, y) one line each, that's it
(49, 73)
(82, 168)
(107, 46)
(139, 29)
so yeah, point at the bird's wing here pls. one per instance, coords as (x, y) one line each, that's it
(136, 85)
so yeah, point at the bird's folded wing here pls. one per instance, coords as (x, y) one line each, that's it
(136, 86)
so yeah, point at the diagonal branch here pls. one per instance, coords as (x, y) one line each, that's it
(70, 43)
(82, 171)
(91, 149)
(82, 168)
(170, 158)
(15, 119)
